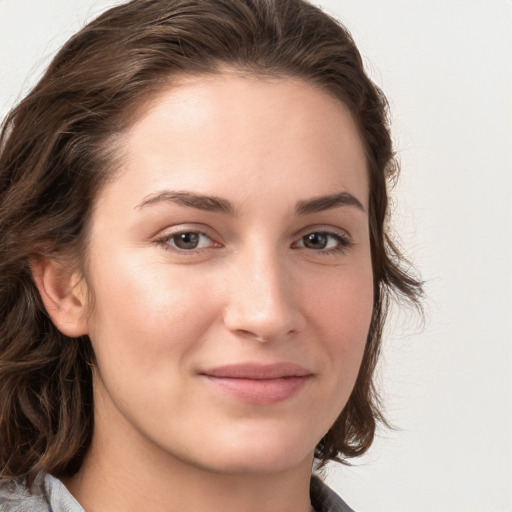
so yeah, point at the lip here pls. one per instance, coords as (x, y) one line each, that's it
(259, 384)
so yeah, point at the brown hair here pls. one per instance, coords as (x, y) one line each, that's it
(57, 151)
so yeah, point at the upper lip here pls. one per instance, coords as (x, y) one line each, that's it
(257, 371)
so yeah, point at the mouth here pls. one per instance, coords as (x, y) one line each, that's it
(259, 384)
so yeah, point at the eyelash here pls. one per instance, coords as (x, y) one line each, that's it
(343, 242)
(165, 242)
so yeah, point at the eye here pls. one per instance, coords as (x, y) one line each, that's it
(324, 241)
(187, 241)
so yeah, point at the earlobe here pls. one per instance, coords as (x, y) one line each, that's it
(64, 295)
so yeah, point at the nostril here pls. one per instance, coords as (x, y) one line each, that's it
(257, 337)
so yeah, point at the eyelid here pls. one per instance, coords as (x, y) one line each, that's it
(342, 236)
(164, 236)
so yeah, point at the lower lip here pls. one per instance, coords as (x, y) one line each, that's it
(260, 391)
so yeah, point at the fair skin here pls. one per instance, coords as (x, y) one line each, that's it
(228, 330)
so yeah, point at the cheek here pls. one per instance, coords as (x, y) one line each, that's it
(343, 313)
(145, 313)
(146, 328)
(340, 312)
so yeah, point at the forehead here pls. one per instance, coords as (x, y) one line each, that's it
(244, 132)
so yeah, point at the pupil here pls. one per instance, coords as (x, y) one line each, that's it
(315, 241)
(187, 240)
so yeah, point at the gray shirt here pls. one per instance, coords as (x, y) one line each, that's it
(50, 495)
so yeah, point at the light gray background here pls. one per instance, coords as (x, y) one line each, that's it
(446, 66)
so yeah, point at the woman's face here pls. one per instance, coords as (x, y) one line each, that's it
(231, 272)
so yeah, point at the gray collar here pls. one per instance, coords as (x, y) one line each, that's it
(50, 495)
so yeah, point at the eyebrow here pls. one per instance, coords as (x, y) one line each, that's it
(217, 204)
(201, 202)
(322, 203)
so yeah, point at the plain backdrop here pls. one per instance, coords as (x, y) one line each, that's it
(446, 67)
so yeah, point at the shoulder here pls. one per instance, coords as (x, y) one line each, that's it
(47, 494)
(324, 499)
(16, 497)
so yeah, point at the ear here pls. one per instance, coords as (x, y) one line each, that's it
(64, 295)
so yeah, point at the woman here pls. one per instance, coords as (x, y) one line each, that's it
(195, 267)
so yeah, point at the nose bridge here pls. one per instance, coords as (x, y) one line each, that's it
(262, 300)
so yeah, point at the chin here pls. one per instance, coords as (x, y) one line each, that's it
(257, 463)
(258, 453)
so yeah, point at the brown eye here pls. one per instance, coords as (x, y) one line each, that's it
(315, 240)
(186, 241)
(324, 242)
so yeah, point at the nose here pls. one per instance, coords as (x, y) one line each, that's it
(264, 301)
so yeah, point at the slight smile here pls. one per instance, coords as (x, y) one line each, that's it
(259, 384)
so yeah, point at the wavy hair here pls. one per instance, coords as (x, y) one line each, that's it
(56, 153)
